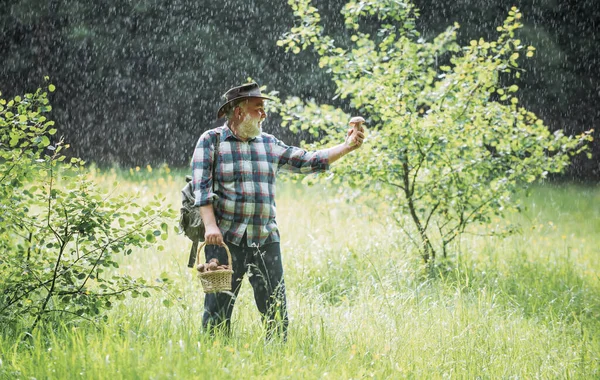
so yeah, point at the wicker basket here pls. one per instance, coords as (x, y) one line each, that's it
(215, 280)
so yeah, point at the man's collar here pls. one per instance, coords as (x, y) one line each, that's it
(226, 133)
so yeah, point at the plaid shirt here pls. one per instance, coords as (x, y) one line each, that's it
(244, 194)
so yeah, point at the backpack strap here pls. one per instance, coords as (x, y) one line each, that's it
(192, 258)
(215, 157)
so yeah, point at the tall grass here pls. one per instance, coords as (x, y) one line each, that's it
(361, 306)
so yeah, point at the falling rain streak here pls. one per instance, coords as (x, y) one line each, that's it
(138, 81)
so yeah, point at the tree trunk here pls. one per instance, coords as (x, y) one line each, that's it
(427, 250)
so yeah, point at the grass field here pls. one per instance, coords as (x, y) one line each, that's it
(361, 305)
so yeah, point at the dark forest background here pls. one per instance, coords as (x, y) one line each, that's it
(139, 81)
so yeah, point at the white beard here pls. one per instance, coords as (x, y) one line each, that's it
(250, 127)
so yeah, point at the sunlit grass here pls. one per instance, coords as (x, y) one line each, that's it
(361, 305)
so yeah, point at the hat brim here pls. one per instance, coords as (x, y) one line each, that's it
(223, 108)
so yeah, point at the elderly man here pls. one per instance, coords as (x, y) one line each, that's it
(237, 206)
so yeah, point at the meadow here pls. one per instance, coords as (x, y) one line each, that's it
(361, 304)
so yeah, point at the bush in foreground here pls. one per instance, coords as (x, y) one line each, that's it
(59, 233)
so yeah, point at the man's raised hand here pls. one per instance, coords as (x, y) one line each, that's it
(356, 134)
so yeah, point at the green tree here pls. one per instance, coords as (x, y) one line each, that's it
(59, 233)
(449, 145)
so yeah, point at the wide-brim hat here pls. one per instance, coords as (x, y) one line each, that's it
(248, 90)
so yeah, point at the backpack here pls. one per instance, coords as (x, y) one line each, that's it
(190, 222)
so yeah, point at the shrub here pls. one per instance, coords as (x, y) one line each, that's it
(59, 233)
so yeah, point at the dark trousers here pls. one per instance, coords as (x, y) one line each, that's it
(265, 273)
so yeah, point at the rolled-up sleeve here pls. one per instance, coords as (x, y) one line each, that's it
(202, 160)
(297, 160)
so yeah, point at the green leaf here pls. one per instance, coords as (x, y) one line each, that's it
(44, 141)
(150, 238)
(164, 277)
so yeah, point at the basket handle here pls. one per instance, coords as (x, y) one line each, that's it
(230, 263)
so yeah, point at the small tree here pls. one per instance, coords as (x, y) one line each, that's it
(58, 232)
(449, 145)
